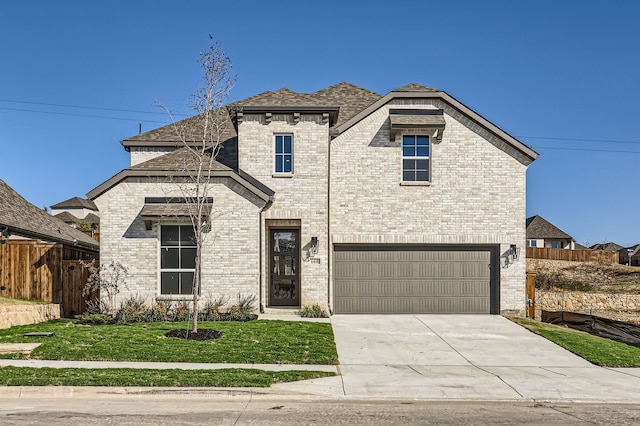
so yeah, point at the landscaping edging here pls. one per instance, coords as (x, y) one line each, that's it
(23, 314)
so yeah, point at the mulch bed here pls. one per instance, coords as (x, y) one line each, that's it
(202, 334)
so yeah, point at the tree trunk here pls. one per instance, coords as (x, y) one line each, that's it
(196, 287)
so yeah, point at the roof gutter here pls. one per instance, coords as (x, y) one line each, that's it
(27, 233)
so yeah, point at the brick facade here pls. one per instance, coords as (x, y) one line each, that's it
(345, 188)
(476, 194)
(231, 252)
(302, 196)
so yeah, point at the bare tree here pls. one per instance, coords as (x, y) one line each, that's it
(200, 139)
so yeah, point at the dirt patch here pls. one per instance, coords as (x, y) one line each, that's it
(593, 277)
(574, 278)
(202, 334)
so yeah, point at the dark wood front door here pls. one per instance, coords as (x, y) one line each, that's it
(284, 264)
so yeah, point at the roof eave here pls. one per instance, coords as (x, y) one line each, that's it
(32, 234)
(110, 183)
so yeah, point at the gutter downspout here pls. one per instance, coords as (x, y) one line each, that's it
(260, 255)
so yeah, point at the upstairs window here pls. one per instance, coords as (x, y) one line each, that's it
(177, 259)
(415, 158)
(284, 154)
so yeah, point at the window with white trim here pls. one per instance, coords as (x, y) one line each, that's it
(415, 158)
(177, 259)
(284, 154)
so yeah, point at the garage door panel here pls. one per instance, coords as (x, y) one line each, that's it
(412, 280)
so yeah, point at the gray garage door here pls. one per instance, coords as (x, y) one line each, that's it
(402, 279)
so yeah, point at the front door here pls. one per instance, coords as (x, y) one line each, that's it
(284, 262)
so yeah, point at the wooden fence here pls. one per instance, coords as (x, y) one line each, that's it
(31, 269)
(572, 255)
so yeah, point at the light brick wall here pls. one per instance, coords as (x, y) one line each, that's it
(476, 194)
(141, 154)
(231, 254)
(303, 196)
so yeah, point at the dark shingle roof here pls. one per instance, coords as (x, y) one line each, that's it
(606, 247)
(66, 217)
(190, 128)
(178, 160)
(350, 98)
(415, 87)
(23, 218)
(76, 202)
(538, 227)
(92, 218)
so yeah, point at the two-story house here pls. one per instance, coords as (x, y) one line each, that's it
(404, 203)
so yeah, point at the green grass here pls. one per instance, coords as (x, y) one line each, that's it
(25, 376)
(261, 342)
(597, 350)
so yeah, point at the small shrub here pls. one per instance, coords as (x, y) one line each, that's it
(94, 319)
(133, 309)
(313, 311)
(213, 308)
(246, 303)
(103, 285)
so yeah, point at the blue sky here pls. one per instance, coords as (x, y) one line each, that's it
(77, 77)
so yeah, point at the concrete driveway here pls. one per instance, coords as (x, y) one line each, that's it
(469, 357)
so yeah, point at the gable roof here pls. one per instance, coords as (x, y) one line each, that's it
(347, 102)
(413, 90)
(180, 163)
(538, 227)
(76, 203)
(24, 219)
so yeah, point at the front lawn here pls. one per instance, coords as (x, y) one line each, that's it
(260, 342)
(26, 376)
(597, 350)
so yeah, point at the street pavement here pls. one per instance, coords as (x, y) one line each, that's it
(416, 357)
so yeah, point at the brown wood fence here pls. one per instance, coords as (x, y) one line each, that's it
(572, 255)
(31, 269)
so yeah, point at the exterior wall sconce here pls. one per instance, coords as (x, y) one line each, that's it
(514, 252)
(510, 255)
(313, 248)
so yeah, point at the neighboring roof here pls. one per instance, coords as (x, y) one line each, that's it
(606, 247)
(635, 249)
(179, 163)
(25, 219)
(538, 227)
(66, 217)
(75, 203)
(92, 218)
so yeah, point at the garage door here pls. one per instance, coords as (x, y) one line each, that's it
(417, 279)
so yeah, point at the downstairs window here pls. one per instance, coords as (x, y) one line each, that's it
(177, 259)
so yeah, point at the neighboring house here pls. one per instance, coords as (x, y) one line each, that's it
(362, 203)
(543, 234)
(39, 254)
(630, 255)
(76, 210)
(607, 247)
